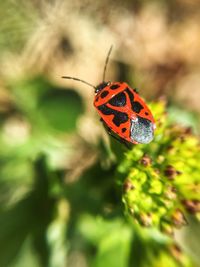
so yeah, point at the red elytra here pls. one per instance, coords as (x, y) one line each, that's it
(123, 112)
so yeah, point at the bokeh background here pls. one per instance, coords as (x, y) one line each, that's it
(56, 163)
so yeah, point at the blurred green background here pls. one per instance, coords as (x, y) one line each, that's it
(59, 202)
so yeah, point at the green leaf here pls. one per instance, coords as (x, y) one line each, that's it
(61, 108)
(111, 238)
(15, 225)
(26, 257)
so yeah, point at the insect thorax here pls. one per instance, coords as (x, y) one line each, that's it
(101, 86)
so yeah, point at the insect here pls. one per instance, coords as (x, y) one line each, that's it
(123, 112)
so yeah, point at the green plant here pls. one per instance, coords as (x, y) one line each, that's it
(161, 181)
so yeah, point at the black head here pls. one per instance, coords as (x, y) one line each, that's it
(101, 86)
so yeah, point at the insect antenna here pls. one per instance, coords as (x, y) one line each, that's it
(106, 62)
(79, 80)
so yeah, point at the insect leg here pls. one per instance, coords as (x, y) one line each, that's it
(109, 131)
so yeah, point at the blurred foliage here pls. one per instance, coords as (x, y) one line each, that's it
(69, 195)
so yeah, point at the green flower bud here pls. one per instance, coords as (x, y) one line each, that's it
(163, 181)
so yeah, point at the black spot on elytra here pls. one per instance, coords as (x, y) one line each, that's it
(119, 117)
(130, 94)
(114, 86)
(146, 113)
(106, 110)
(104, 94)
(119, 100)
(123, 130)
(137, 107)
